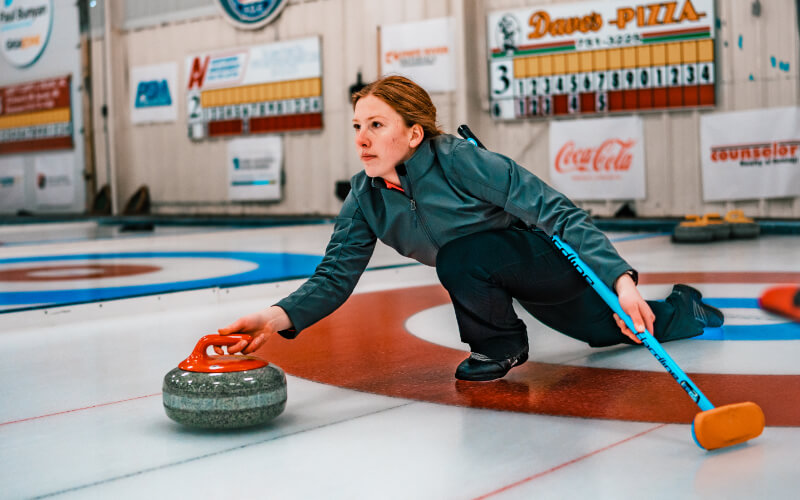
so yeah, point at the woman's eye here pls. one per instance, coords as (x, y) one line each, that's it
(356, 127)
(377, 124)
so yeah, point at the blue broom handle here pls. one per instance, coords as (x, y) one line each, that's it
(647, 339)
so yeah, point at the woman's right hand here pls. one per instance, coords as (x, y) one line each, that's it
(260, 326)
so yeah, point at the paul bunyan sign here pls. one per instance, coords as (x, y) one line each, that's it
(25, 27)
(601, 57)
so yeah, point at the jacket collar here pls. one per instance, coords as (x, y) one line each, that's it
(419, 163)
(416, 166)
(421, 160)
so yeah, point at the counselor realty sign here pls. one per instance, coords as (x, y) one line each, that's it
(599, 159)
(751, 154)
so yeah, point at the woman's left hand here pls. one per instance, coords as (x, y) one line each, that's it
(634, 306)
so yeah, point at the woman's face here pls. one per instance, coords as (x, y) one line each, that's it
(383, 140)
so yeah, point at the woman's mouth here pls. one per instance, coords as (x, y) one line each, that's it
(368, 157)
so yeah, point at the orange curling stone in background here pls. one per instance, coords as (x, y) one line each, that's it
(783, 300)
(741, 226)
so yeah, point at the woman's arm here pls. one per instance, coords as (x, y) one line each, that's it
(501, 181)
(347, 255)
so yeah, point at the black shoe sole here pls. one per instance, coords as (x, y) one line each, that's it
(494, 375)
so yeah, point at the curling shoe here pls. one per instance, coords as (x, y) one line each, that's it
(478, 367)
(691, 298)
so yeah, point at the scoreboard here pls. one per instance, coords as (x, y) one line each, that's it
(36, 116)
(596, 58)
(262, 89)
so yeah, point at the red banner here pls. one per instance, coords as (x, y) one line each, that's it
(35, 96)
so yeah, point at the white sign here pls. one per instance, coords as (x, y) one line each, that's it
(55, 179)
(598, 159)
(153, 93)
(421, 51)
(254, 168)
(12, 183)
(751, 154)
(274, 62)
(25, 29)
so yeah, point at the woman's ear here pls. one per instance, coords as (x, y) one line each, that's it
(417, 135)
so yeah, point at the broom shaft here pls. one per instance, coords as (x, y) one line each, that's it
(646, 337)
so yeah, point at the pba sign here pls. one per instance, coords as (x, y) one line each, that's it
(251, 14)
(25, 27)
(153, 93)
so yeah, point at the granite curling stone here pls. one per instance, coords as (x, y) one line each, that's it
(223, 392)
(694, 229)
(741, 226)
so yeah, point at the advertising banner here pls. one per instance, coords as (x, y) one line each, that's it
(40, 96)
(262, 89)
(36, 116)
(598, 159)
(12, 183)
(601, 57)
(254, 168)
(751, 154)
(421, 51)
(153, 93)
(55, 179)
(25, 27)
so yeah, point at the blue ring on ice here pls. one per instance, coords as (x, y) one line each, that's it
(269, 267)
(774, 331)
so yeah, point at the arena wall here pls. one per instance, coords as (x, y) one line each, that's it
(187, 177)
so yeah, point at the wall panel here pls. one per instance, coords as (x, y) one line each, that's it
(190, 177)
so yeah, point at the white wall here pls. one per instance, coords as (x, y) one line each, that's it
(187, 177)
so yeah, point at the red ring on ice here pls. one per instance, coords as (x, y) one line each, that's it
(364, 346)
(75, 272)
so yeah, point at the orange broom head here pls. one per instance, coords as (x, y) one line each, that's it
(728, 425)
(782, 300)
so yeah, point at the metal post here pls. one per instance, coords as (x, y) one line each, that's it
(108, 72)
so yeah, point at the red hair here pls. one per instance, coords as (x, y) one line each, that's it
(410, 101)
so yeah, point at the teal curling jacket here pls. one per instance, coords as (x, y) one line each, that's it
(452, 189)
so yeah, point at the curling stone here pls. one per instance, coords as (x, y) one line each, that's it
(223, 392)
(741, 226)
(719, 228)
(693, 230)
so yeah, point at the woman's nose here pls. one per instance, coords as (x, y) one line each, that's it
(361, 138)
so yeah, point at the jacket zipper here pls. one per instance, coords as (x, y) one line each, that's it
(419, 217)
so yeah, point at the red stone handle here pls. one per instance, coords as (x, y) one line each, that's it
(201, 361)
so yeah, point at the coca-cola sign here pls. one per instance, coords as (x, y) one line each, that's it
(598, 159)
(613, 155)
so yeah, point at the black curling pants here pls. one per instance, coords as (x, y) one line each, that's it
(483, 272)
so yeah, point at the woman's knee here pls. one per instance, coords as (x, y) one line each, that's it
(458, 260)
